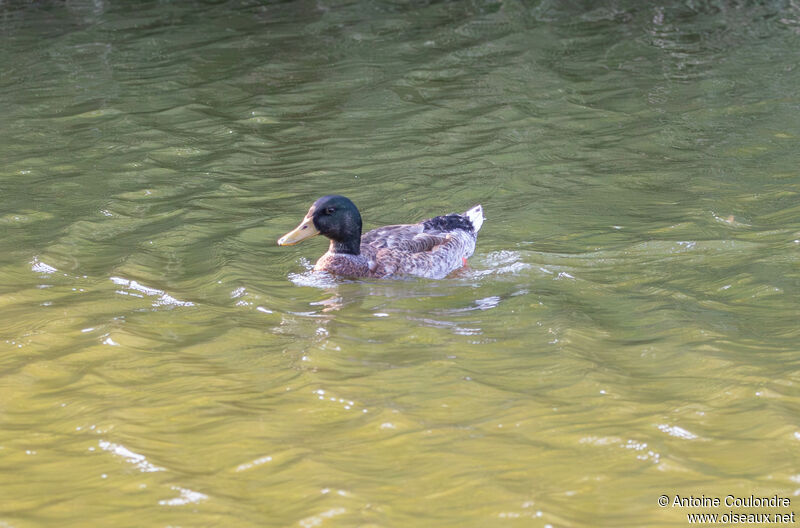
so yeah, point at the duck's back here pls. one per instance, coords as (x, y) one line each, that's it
(432, 248)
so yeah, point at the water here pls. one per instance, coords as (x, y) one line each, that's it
(627, 328)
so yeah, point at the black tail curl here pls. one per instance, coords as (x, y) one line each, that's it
(449, 222)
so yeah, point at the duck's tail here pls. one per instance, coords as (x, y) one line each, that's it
(475, 216)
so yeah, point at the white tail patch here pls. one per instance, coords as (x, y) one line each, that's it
(475, 216)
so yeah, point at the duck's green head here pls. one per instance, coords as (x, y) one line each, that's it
(333, 216)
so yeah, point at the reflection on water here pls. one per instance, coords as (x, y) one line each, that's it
(627, 327)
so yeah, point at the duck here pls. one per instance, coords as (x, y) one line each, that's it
(432, 248)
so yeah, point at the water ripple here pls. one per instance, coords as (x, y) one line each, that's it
(140, 461)
(164, 299)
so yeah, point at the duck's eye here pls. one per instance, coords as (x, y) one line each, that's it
(330, 210)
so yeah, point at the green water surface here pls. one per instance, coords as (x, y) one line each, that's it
(628, 326)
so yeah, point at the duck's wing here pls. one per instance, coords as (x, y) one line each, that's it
(442, 257)
(410, 238)
(432, 248)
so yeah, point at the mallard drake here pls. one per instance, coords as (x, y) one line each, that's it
(432, 248)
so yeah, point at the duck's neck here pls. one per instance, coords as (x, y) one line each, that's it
(346, 247)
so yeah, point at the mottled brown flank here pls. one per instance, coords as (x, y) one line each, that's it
(412, 249)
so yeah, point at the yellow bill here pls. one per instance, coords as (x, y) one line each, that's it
(305, 230)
